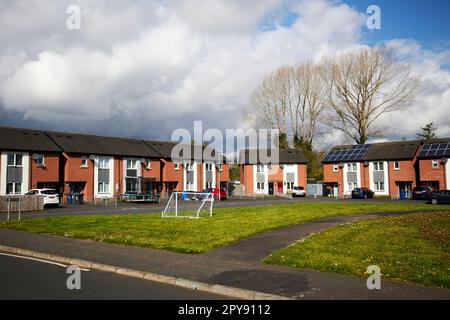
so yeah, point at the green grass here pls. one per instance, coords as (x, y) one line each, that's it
(413, 248)
(195, 236)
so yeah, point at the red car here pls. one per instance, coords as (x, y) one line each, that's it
(215, 191)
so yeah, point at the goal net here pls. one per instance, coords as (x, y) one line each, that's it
(186, 204)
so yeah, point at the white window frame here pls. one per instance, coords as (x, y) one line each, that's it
(335, 168)
(435, 164)
(259, 168)
(177, 166)
(149, 165)
(15, 160)
(379, 186)
(352, 167)
(260, 186)
(377, 165)
(40, 160)
(397, 165)
(84, 162)
(103, 163)
(103, 188)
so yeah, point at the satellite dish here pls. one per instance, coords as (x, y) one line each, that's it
(444, 160)
(341, 165)
(366, 163)
(35, 156)
(144, 161)
(92, 157)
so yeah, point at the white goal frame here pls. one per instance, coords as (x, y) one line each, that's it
(177, 197)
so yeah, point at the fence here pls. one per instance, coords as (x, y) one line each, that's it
(19, 204)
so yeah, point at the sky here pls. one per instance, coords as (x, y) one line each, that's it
(145, 68)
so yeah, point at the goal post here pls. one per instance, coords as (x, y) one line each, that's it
(187, 204)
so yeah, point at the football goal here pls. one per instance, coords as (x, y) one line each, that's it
(187, 204)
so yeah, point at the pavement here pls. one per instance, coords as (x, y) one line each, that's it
(130, 208)
(236, 265)
(22, 278)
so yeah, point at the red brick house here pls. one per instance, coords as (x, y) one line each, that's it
(259, 177)
(190, 173)
(29, 160)
(388, 169)
(434, 166)
(106, 167)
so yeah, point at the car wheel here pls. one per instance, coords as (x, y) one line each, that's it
(434, 201)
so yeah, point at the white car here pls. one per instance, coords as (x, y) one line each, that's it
(298, 192)
(51, 197)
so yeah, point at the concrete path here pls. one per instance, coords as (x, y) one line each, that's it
(237, 265)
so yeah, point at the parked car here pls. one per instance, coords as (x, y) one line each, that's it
(51, 197)
(440, 196)
(215, 191)
(362, 193)
(298, 192)
(422, 193)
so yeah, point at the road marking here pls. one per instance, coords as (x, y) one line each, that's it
(39, 260)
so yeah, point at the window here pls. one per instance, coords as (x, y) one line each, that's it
(149, 165)
(84, 162)
(14, 160)
(208, 166)
(379, 186)
(260, 186)
(435, 164)
(396, 165)
(378, 166)
(290, 186)
(352, 185)
(13, 188)
(132, 164)
(103, 187)
(220, 167)
(39, 158)
(259, 168)
(335, 168)
(177, 166)
(103, 163)
(208, 185)
(189, 167)
(352, 167)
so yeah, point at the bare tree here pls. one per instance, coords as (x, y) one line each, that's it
(363, 85)
(290, 100)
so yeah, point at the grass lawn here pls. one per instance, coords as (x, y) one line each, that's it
(413, 248)
(195, 236)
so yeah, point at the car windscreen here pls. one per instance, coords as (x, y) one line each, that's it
(49, 192)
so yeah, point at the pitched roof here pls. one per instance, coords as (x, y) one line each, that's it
(435, 149)
(164, 148)
(16, 139)
(286, 156)
(102, 145)
(401, 150)
(398, 150)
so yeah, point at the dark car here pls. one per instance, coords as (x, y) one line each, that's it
(440, 196)
(422, 193)
(362, 193)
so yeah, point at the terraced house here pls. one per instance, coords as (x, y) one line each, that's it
(388, 169)
(277, 177)
(100, 166)
(434, 164)
(29, 159)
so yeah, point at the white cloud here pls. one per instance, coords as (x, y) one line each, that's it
(149, 67)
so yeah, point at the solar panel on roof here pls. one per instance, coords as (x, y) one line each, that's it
(355, 153)
(435, 150)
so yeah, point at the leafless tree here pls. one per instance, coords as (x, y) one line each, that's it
(363, 85)
(291, 100)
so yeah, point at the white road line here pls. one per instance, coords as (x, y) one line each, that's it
(38, 260)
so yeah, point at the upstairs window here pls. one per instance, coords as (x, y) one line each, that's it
(14, 160)
(352, 167)
(435, 164)
(335, 168)
(396, 165)
(378, 166)
(39, 158)
(84, 162)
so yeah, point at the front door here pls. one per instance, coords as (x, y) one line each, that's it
(271, 189)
